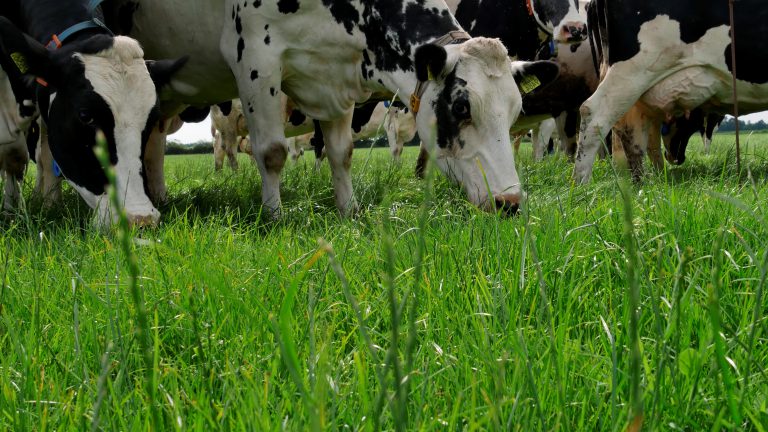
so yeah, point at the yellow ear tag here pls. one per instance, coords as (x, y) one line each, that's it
(430, 77)
(20, 61)
(529, 83)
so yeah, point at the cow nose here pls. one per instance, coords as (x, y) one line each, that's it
(142, 221)
(575, 31)
(508, 204)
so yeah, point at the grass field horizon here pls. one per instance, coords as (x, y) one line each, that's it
(599, 307)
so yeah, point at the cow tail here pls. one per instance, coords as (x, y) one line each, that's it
(593, 30)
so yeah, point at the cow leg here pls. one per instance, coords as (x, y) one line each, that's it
(515, 146)
(654, 145)
(14, 164)
(338, 147)
(621, 88)
(541, 137)
(154, 160)
(538, 143)
(392, 126)
(218, 151)
(568, 131)
(423, 159)
(232, 153)
(47, 185)
(632, 131)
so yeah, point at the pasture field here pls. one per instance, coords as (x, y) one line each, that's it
(586, 312)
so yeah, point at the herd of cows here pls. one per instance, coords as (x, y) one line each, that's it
(465, 74)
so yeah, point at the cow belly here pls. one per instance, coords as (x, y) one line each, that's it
(683, 91)
(173, 29)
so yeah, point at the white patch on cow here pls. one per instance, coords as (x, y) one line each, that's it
(120, 76)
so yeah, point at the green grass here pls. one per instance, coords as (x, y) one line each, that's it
(421, 313)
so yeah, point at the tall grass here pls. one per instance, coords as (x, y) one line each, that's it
(596, 304)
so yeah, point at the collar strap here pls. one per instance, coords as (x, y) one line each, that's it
(454, 37)
(58, 39)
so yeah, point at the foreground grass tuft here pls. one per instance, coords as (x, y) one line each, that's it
(596, 304)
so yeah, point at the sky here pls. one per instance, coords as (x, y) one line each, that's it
(193, 132)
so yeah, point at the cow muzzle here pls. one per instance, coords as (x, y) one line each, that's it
(507, 204)
(573, 32)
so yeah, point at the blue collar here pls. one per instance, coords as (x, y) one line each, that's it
(58, 39)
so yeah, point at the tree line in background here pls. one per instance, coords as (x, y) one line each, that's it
(203, 147)
(729, 125)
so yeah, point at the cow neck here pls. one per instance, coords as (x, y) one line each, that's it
(454, 37)
(54, 22)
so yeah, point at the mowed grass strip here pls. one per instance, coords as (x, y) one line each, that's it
(502, 324)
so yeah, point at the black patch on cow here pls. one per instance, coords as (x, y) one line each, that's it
(317, 141)
(393, 28)
(621, 24)
(225, 107)
(503, 19)
(125, 17)
(257, 3)
(297, 117)
(272, 91)
(238, 24)
(366, 64)
(240, 49)
(553, 11)
(362, 115)
(288, 6)
(254, 75)
(344, 13)
(452, 110)
(267, 39)
(33, 136)
(567, 92)
(194, 114)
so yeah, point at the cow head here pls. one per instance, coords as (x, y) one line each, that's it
(468, 109)
(562, 16)
(98, 83)
(677, 131)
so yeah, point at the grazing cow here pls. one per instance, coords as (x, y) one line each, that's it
(89, 81)
(666, 58)
(676, 133)
(328, 56)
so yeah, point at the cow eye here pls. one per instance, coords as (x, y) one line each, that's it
(85, 117)
(461, 110)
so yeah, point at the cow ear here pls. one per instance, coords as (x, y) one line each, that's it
(27, 56)
(532, 76)
(430, 61)
(162, 71)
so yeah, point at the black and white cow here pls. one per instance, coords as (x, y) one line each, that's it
(328, 56)
(677, 131)
(665, 58)
(541, 30)
(89, 81)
